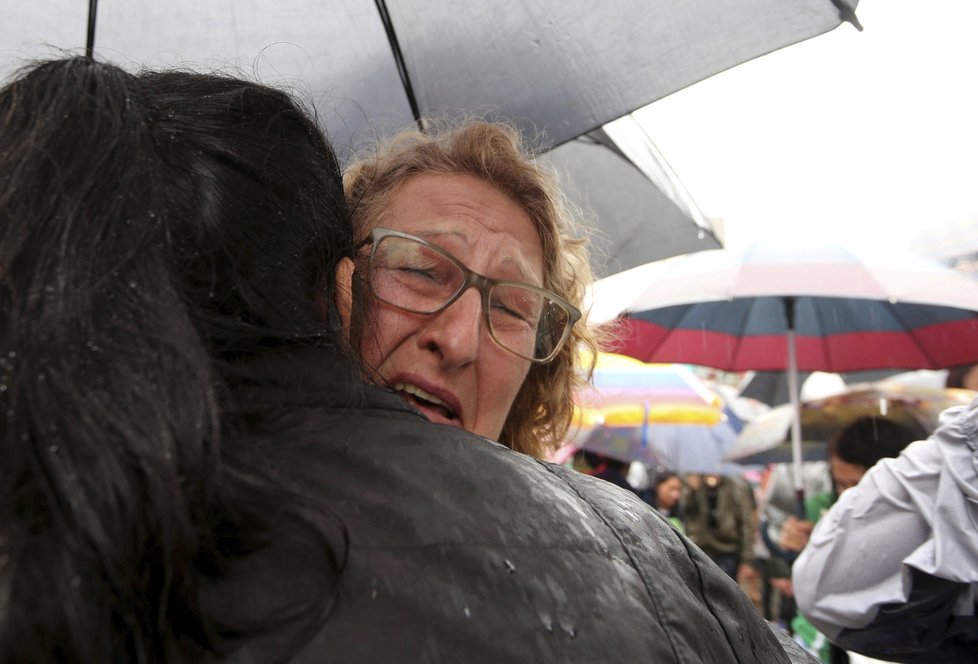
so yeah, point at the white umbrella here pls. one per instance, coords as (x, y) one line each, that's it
(919, 408)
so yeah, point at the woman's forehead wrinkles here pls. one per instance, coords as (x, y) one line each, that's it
(511, 265)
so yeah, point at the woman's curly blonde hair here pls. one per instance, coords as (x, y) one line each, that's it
(495, 153)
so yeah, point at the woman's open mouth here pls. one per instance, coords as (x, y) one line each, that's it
(436, 409)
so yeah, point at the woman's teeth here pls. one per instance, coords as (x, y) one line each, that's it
(427, 397)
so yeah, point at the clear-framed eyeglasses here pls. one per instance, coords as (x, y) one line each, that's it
(415, 275)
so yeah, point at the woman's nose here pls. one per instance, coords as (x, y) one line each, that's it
(456, 332)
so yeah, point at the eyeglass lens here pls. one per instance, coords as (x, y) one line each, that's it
(418, 278)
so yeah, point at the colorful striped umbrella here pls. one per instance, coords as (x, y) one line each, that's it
(625, 391)
(790, 306)
(660, 414)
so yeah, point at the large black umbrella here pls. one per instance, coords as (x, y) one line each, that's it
(558, 68)
(638, 206)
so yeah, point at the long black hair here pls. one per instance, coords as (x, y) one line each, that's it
(157, 231)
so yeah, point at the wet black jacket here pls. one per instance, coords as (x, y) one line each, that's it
(453, 548)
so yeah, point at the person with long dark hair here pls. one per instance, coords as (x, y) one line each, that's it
(191, 467)
(159, 235)
(666, 489)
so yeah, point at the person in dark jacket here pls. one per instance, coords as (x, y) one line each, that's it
(603, 467)
(157, 233)
(719, 513)
(453, 548)
(192, 469)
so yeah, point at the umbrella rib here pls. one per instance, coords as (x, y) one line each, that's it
(847, 13)
(913, 338)
(741, 335)
(821, 333)
(90, 37)
(399, 61)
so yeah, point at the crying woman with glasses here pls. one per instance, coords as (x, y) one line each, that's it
(464, 294)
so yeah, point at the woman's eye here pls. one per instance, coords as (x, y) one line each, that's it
(417, 271)
(507, 311)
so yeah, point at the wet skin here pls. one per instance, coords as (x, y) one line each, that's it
(446, 364)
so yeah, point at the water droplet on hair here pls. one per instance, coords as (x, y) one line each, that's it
(466, 612)
(510, 567)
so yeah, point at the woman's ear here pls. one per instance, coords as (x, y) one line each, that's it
(344, 291)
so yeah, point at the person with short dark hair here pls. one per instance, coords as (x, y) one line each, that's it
(963, 377)
(892, 570)
(858, 446)
(605, 468)
(853, 449)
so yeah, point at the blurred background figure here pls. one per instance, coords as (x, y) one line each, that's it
(719, 518)
(665, 491)
(892, 569)
(606, 468)
(776, 506)
(965, 377)
(853, 449)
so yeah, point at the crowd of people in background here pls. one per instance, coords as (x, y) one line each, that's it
(890, 572)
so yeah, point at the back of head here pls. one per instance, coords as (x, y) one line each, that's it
(148, 226)
(600, 463)
(868, 439)
(495, 154)
(963, 377)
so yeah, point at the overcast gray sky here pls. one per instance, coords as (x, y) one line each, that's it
(868, 136)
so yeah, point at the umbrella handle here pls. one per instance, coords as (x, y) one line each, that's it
(796, 456)
(800, 504)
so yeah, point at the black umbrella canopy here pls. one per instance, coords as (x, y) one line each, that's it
(637, 206)
(557, 68)
(563, 67)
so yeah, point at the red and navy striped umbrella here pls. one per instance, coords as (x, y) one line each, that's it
(853, 309)
(831, 334)
(782, 306)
